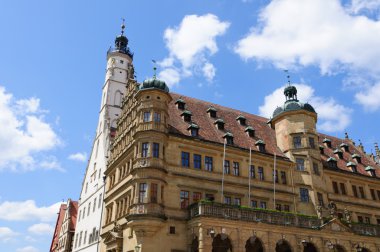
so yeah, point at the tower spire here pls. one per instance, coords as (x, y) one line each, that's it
(122, 27)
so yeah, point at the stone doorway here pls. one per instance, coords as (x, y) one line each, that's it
(309, 247)
(254, 244)
(221, 243)
(283, 246)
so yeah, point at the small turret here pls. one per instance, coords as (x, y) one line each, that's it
(121, 43)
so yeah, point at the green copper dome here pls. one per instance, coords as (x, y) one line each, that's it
(154, 83)
(292, 103)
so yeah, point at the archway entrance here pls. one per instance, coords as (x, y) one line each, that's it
(365, 250)
(221, 243)
(309, 247)
(254, 244)
(194, 245)
(283, 246)
(339, 248)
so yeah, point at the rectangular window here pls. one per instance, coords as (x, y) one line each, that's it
(278, 207)
(304, 194)
(100, 201)
(283, 177)
(156, 150)
(311, 142)
(367, 220)
(146, 116)
(263, 205)
(209, 197)
(320, 199)
(157, 117)
(315, 169)
(360, 219)
(144, 149)
(208, 163)
(286, 208)
(237, 201)
(300, 164)
(184, 197)
(80, 238)
(197, 161)
(361, 190)
(378, 194)
(343, 188)
(236, 169)
(84, 213)
(142, 192)
(89, 209)
(185, 159)
(275, 176)
(260, 171)
(226, 167)
(254, 203)
(373, 195)
(197, 196)
(80, 213)
(252, 171)
(171, 230)
(227, 200)
(153, 192)
(94, 207)
(355, 191)
(297, 142)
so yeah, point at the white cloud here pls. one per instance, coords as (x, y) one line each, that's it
(51, 163)
(170, 75)
(24, 133)
(364, 5)
(209, 71)
(6, 234)
(27, 249)
(79, 156)
(370, 98)
(41, 229)
(332, 116)
(27, 210)
(191, 43)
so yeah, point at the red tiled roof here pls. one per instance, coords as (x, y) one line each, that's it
(209, 132)
(73, 214)
(347, 156)
(58, 224)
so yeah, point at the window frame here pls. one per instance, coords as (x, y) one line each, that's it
(304, 195)
(184, 199)
(197, 161)
(185, 159)
(208, 163)
(156, 150)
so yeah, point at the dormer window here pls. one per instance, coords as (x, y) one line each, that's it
(371, 171)
(339, 153)
(352, 166)
(327, 142)
(357, 158)
(229, 137)
(186, 115)
(219, 124)
(250, 131)
(321, 149)
(180, 104)
(344, 147)
(332, 163)
(260, 145)
(212, 112)
(241, 119)
(193, 128)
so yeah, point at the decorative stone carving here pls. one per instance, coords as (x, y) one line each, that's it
(319, 212)
(333, 209)
(347, 215)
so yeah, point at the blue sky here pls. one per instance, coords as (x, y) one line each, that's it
(52, 67)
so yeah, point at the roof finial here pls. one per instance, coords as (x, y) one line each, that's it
(287, 75)
(154, 68)
(122, 26)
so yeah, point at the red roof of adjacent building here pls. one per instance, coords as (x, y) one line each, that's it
(73, 214)
(58, 224)
(209, 132)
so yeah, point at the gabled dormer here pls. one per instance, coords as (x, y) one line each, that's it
(339, 153)
(357, 158)
(250, 131)
(193, 129)
(241, 119)
(229, 138)
(344, 147)
(332, 163)
(260, 144)
(180, 104)
(219, 124)
(352, 166)
(371, 171)
(211, 111)
(327, 142)
(186, 115)
(321, 149)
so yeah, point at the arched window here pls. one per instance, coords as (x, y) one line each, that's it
(283, 246)
(221, 243)
(254, 244)
(309, 247)
(118, 98)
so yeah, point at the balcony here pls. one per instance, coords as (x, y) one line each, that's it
(146, 209)
(218, 210)
(148, 162)
(223, 211)
(151, 126)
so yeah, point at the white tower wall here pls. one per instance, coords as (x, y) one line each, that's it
(86, 238)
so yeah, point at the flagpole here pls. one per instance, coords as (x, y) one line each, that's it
(249, 176)
(274, 182)
(224, 157)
